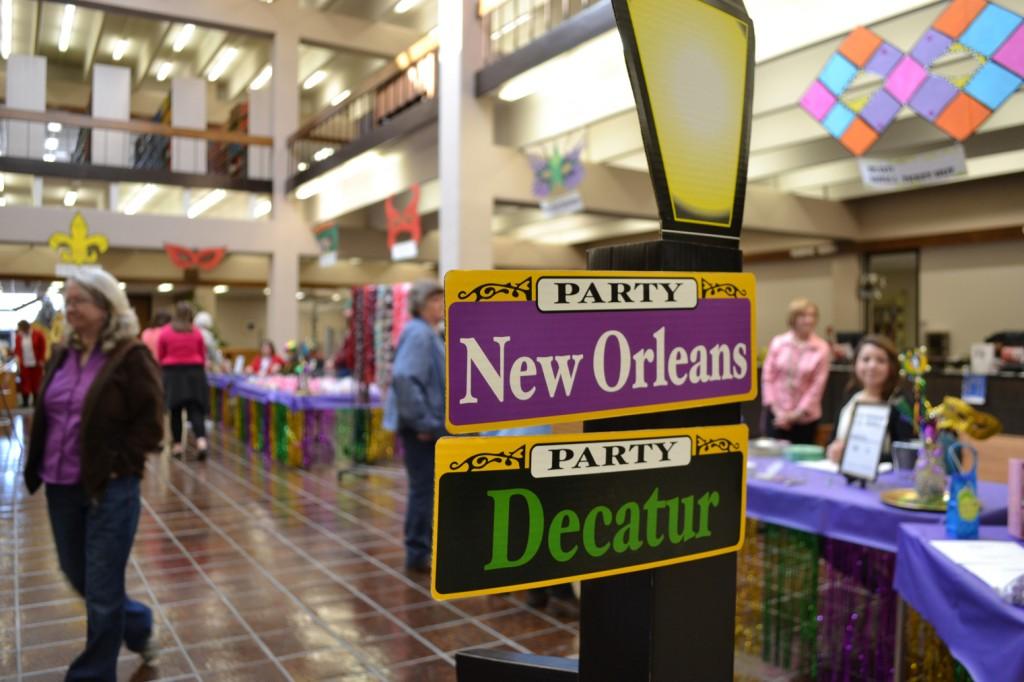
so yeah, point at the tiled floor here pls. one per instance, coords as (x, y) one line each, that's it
(257, 575)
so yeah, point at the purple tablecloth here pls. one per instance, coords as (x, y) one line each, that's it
(220, 380)
(984, 633)
(824, 504)
(293, 401)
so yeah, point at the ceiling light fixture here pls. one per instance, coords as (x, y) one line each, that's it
(184, 35)
(404, 6)
(511, 26)
(120, 47)
(66, 24)
(266, 291)
(50, 144)
(54, 127)
(301, 166)
(6, 27)
(122, 286)
(208, 201)
(221, 63)
(70, 198)
(323, 153)
(3, 202)
(341, 97)
(140, 198)
(314, 79)
(3, 185)
(262, 208)
(336, 297)
(164, 71)
(262, 78)
(165, 287)
(219, 289)
(49, 157)
(299, 295)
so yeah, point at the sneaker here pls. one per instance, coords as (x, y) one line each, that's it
(151, 651)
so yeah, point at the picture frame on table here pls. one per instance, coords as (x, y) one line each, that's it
(862, 451)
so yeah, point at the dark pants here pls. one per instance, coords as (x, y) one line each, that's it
(93, 542)
(196, 417)
(797, 433)
(419, 512)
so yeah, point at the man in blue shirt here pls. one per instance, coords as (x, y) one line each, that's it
(415, 410)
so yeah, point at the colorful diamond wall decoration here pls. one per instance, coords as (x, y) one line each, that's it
(992, 34)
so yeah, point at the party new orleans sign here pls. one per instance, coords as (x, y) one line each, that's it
(513, 513)
(525, 346)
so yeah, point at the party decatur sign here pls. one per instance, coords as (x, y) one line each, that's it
(518, 512)
(563, 346)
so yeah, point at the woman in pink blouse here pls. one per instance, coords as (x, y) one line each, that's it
(794, 375)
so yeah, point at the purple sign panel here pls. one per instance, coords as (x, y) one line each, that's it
(534, 347)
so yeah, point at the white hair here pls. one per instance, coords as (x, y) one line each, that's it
(122, 322)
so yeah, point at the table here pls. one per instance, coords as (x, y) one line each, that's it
(299, 429)
(815, 585)
(984, 633)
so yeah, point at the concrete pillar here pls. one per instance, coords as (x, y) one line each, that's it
(206, 300)
(286, 217)
(465, 135)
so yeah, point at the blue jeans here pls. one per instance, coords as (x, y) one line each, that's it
(419, 512)
(93, 543)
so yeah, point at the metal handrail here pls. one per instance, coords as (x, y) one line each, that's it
(514, 24)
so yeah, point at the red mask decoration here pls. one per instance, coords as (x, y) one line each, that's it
(406, 221)
(187, 259)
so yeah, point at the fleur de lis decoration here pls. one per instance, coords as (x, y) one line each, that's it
(78, 246)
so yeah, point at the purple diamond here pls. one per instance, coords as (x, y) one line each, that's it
(881, 110)
(930, 47)
(883, 60)
(932, 97)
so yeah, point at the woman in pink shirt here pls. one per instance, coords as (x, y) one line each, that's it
(151, 334)
(182, 354)
(794, 375)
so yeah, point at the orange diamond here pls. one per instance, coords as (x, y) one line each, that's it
(859, 137)
(958, 16)
(962, 117)
(860, 45)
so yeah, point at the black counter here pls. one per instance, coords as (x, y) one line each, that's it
(1004, 398)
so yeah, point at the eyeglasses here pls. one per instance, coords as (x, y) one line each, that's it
(76, 302)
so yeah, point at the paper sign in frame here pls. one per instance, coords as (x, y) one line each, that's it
(479, 455)
(478, 286)
(672, 227)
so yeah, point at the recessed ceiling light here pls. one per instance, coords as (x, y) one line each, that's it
(204, 204)
(50, 144)
(3, 202)
(221, 289)
(122, 286)
(165, 287)
(164, 71)
(221, 63)
(404, 6)
(323, 153)
(6, 27)
(336, 297)
(262, 208)
(67, 22)
(266, 291)
(314, 79)
(184, 35)
(70, 198)
(140, 198)
(299, 295)
(341, 97)
(49, 157)
(54, 127)
(120, 47)
(262, 78)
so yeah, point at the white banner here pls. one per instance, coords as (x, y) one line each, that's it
(921, 169)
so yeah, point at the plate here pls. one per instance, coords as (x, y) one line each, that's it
(906, 498)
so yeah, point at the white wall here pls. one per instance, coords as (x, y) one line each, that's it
(972, 291)
(234, 315)
(831, 283)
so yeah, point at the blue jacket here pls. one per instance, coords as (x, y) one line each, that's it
(416, 398)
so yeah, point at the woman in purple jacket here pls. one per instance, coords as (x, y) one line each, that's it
(100, 414)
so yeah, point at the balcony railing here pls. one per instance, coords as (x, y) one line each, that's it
(514, 24)
(363, 117)
(62, 144)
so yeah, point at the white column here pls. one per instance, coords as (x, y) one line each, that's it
(26, 89)
(286, 219)
(261, 122)
(188, 110)
(465, 126)
(111, 98)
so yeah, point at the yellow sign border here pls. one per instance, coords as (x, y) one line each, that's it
(451, 450)
(460, 286)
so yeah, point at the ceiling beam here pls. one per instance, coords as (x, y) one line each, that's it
(143, 72)
(37, 26)
(98, 24)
